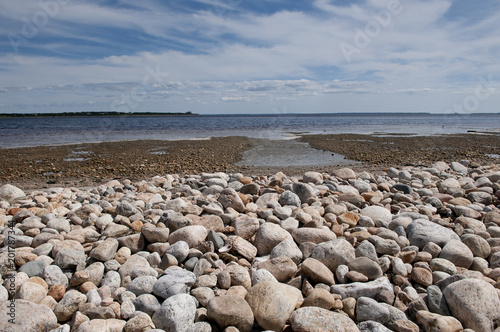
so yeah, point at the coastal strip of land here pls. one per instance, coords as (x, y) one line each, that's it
(94, 163)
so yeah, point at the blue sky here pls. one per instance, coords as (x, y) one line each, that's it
(235, 56)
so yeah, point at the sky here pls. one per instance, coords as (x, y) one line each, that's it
(242, 56)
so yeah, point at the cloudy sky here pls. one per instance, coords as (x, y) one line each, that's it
(242, 56)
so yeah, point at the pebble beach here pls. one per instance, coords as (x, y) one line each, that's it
(410, 243)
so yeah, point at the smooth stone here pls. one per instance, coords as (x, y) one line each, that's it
(289, 198)
(53, 275)
(377, 214)
(282, 268)
(458, 253)
(334, 253)
(177, 314)
(134, 261)
(229, 199)
(372, 326)
(29, 317)
(366, 267)
(475, 303)
(31, 291)
(363, 289)
(180, 250)
(192, 235)
(140, 322)
(142, 285)
(287, 248)
(95, 325)
(268, 236)
(68, 305)
(422, 231)
(322, 298)
(303, 191)
(147, 303)
(106, 250)
(174, 281)
(261, 275)
(156, 234)
(478, 246)
(436, 301)
(369, 309)
(314, 235)
(272, 303)
(319, 319)
(68, 259)
(231, 310)
(432, 322)
(443, 265)
(317, 271)
(33, 268)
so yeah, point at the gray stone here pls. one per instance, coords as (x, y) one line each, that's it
(334, 253)
(68, 305)
(147, 303)
(229, 199)
(268, 236)
(366, 249)
(436, 301)
(372, 326)
(105, 250)
(363, 289)
(176, 314)
(180, 250)
(366, 267)
(10, 193)
(53, 275)
(133, 262)
(422, 231)
(287, 248)
(29, 317)
(174, 281)
(289, 198)
(303, 191)
(319, 319)
(457, 253)
(474, 303)
(377, 214)
(33, 268)
(261, 275)
(231, 311)
(369, 309)
(70, 258)
(192, 235)
(142, 285)
(126, 209)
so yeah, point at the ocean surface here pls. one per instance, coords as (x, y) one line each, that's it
(20, 132)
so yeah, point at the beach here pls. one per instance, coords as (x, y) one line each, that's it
(377, 232)
(94, 163)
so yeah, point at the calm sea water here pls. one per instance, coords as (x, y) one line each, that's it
(18, 132)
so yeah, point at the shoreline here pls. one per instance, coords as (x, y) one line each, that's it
(86, 164)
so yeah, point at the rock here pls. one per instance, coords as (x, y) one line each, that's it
(134, 242)
(443, 265)
(139, 323)
(268, 236)
(203, 295)
(243, 248)
(250, 188)
(422, 231)
(272, 303)
(126, 209)
(303, 191)
(245, 226)
(29, 317)
(68, 305)
(69, 259)
(155, 234)
(366, 267)
(371, 326)
(314, 235)
(31, 291)
(180, 250)
(422, 276)
(344, 173)
(369, 309)
(315, 319)
(211, 222)
(239, 276)
(287, 248)
(261, 275)
(135, 261)
(231, 311)
(174, 281)
(33, 268)
(349, 218)
(289, 198)
(229, 199)
(53, 275)
(317, 271)
(457, 253)
(176, 314)
(282, 268)
(192, 235)
(106, 250)
(437, 323)
(377, 214)
(474, 303)
(477, 245)
(334, 253)
(322, 298)
(436, 301)
(142, 285)
(10, 193)
(147, 303)
(101, 325)
(363, 289)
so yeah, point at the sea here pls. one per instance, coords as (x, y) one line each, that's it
(58, 130)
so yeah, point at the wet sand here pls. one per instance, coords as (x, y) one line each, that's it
(89, 164)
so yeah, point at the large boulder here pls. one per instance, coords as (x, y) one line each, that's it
(272, 303)
(474, 303)
(28, 317)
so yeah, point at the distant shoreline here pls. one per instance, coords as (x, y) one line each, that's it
(82, 114)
